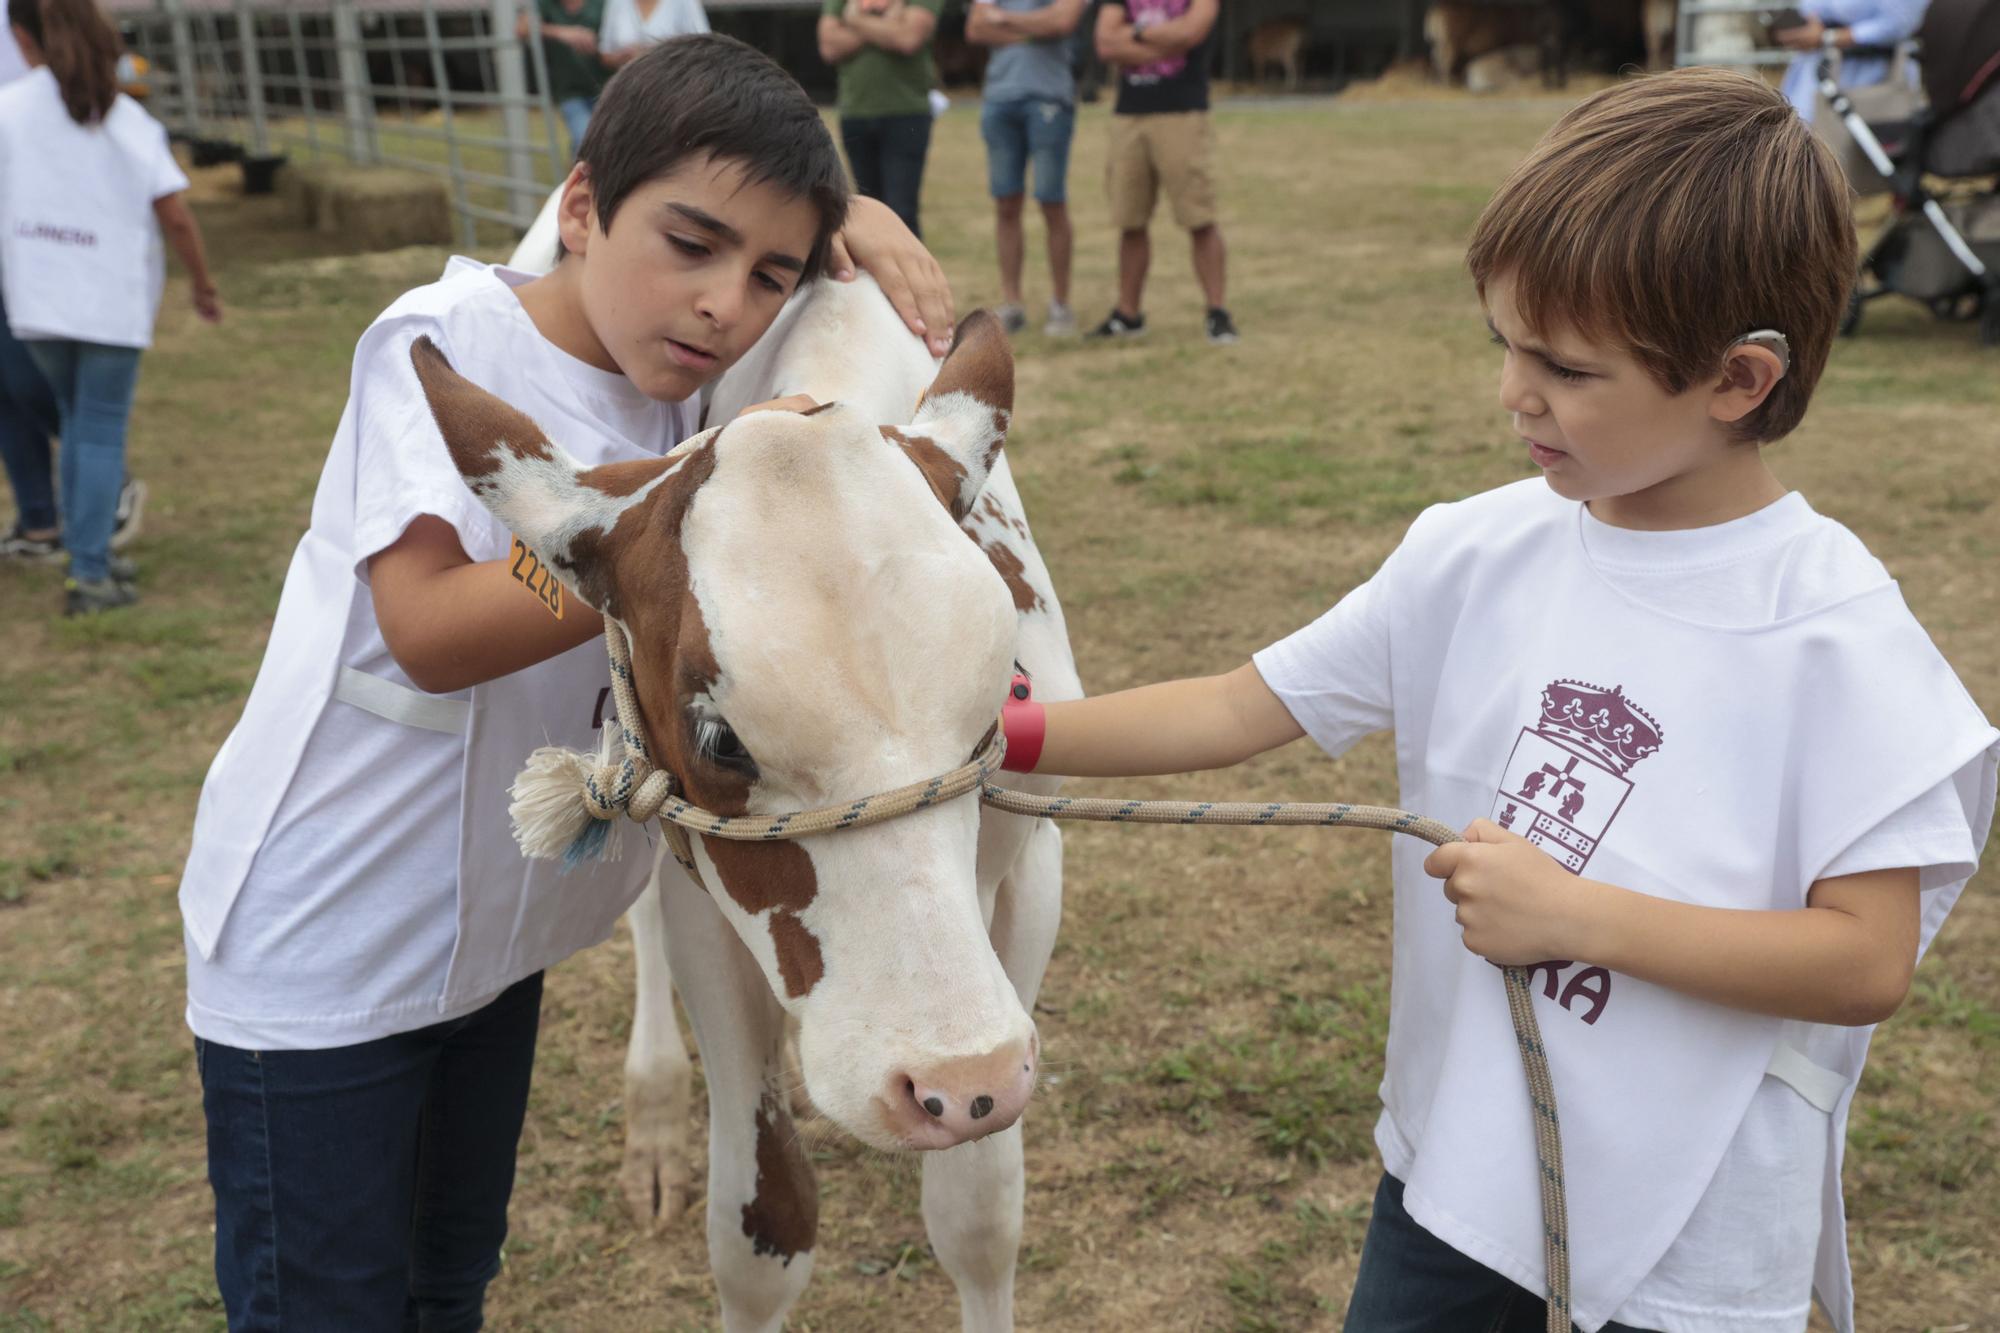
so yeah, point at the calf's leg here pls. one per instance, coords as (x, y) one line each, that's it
(973, 1194)
(763, 1208)
(656, 1175)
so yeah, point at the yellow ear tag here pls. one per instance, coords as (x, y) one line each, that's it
(529, 571)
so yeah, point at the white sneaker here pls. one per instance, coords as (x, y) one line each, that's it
(130, 512)
(1062, 321)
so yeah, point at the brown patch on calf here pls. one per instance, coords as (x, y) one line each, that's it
(782, 1219)
(474, 423)
(774, 877)
(1014, 574)
(638, 563)
(945, 474)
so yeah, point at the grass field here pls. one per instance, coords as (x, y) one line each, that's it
(1213, 1020)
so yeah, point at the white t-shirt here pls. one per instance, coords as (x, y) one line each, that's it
(622, 26)
(80, 252)
(12, 64)
(1744, 1260)
(351, 921)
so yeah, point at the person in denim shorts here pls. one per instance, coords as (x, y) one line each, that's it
(1030, 114)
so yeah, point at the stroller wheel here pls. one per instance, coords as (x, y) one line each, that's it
(1850, 318)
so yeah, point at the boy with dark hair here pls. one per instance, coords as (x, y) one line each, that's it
(1655, 664)
(365, 944)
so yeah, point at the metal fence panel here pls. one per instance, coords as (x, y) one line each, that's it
(443, 87)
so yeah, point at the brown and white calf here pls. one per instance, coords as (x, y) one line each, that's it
(820, 608)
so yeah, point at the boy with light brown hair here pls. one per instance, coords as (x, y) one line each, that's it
(1656, 666)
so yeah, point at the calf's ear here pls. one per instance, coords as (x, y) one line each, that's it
(575, 519)
(962, 422)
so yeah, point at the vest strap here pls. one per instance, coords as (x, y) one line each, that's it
(399, 703)
(1816, 1083)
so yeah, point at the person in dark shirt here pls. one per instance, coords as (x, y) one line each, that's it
(576, 73)
(1161, 138)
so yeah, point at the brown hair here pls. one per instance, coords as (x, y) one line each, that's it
(1673, 214)
(81, 49)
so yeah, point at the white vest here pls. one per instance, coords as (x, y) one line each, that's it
(80, 252)
(1725, 768)
(514, 916)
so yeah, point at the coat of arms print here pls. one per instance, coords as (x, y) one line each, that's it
(1566, 780)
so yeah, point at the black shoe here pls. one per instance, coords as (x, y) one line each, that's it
(1117, 324)
(18, 545)
(83, 598)
(1221, 328)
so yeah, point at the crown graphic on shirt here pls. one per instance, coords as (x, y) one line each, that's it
(1603, 721)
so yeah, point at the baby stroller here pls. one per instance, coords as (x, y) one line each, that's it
(1941, 249)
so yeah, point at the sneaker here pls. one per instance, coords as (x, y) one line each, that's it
(122, 570)
(18, 545)
(1221, 328)
(1119, 325)
(131, 509)
(1012, 317)
(1062, 321)
(87, 599)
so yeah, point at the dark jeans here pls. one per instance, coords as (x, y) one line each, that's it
(1412, 1282)
(27, 423)
(887, 155)
(365, 1187)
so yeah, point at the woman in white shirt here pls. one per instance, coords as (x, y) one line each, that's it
(87, 184)
(630, 26)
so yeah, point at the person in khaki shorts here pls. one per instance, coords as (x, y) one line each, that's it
(1161, 139)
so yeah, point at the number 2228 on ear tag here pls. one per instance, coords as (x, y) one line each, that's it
(529, 571)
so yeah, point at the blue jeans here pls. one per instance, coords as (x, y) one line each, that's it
(93, 387)
(1412, 1282)
(1021, 130)
(887, 155)
(365, 1187)
(27, 421)
(575, 113)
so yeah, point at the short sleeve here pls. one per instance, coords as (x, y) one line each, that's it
(402, 469)
(166, 174)
(1930, 833)
(1334, 675)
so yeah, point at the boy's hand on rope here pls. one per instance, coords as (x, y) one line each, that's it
(1514, 904)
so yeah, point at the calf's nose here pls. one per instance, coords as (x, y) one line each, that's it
(955, 1101)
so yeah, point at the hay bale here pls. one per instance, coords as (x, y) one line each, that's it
(371, 208)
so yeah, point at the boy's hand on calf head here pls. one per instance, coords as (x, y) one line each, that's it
(876, 239)
(1514, 904)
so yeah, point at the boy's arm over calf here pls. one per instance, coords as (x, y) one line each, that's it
(452, 622)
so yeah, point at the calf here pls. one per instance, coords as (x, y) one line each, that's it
(821, 608)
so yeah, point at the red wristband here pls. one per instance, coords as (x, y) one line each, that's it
(1025, 725)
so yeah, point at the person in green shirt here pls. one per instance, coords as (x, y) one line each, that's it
(882, 52)
(576, 73)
